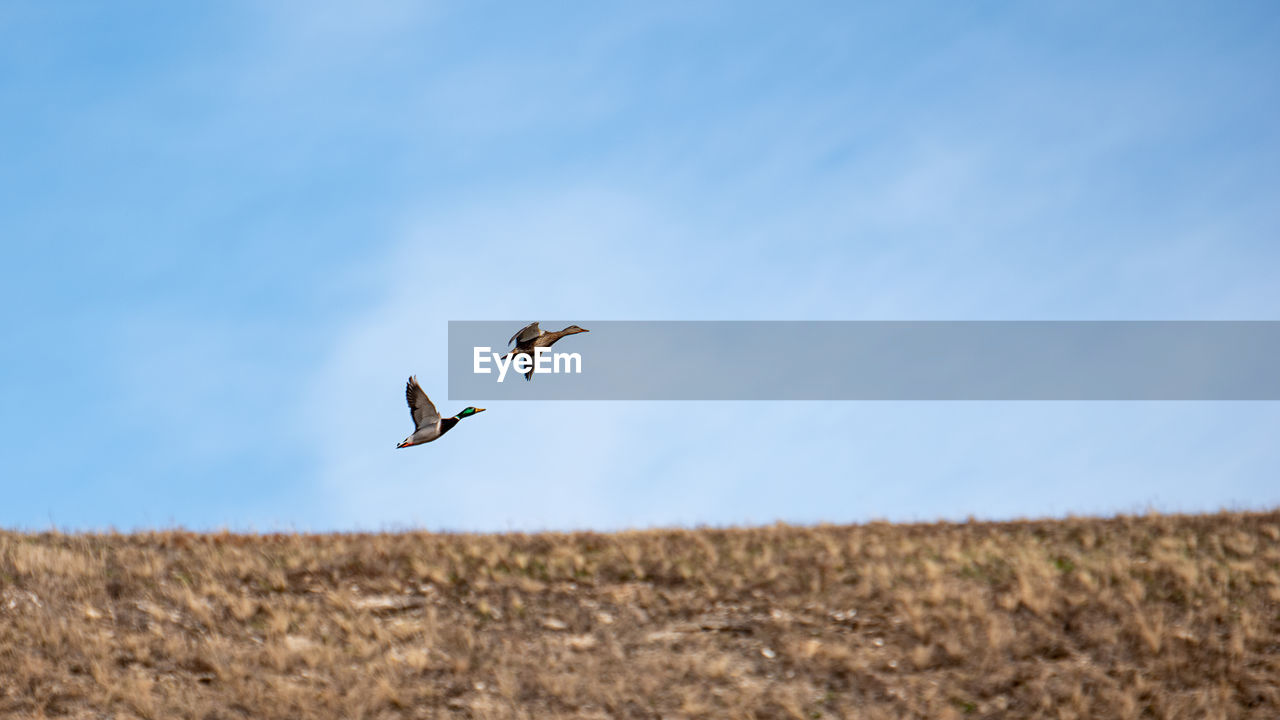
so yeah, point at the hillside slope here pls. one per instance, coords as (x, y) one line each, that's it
(1157, 616)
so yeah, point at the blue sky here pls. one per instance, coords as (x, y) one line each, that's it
(230, 231)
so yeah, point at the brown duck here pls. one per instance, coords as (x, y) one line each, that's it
(531, 337)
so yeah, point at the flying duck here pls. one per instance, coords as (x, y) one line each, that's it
(531, 337)
(427, 423)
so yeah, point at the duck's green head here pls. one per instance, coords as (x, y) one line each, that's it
(469, 412)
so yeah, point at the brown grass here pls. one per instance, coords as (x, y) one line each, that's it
(1158, 616)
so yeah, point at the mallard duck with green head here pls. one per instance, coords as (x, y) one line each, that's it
(427, 423)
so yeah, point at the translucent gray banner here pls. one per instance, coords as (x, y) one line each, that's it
(856, 360)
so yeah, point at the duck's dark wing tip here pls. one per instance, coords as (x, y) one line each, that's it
(525, 333)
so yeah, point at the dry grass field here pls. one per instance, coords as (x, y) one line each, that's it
(1156, 616)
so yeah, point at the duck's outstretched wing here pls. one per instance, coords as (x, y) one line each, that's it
(421, 409)
(527, 333)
